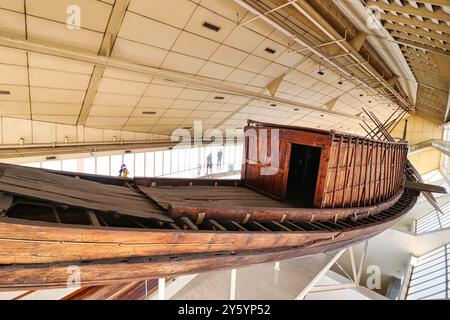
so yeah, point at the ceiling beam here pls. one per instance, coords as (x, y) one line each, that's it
(42, 47)
(408, 42)
(315, 17)
(420, 32)
(112, 29)
(443, 64)
(436, 2)
(440, 15)
(414, 22)
(426, 42)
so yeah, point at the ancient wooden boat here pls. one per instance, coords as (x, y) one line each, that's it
(325, 191)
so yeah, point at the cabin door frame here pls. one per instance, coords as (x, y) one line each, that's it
(325, 146)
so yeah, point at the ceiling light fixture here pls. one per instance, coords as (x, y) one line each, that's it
(270, 50)
(320, 70)
(219, 98)
(273, 105)
(340, 81)
(148, 112)
(211, 26)
(5, 92)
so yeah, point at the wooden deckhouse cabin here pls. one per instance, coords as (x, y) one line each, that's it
(322, 169)
(121, 230)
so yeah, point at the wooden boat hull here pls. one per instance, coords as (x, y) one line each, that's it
(37, 255)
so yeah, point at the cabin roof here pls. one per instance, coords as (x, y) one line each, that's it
(253, 123)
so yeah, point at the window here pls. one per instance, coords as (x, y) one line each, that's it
(193, 158)
(429, 277)
(103, 165)
(166, 162)
(150, 164)
(52, 164)
(158, 163)
(434, 220)
(70, 165)
(32, 164)
(128, 160)
(175, 160)
(139, 163)
(183, 158)
(89, 165)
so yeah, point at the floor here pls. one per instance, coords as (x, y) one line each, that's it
(257, 282)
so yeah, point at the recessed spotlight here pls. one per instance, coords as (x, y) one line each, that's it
(219, 98)
(4, 92)
(370, 101)
(270, 50)
(211, 26)
(148, 112)
(361, 95)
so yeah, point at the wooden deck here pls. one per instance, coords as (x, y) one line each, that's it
(200, 196)
(70, 191)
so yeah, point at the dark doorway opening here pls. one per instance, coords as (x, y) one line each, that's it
(303, 172)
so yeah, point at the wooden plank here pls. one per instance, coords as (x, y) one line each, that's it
(188, 223)
(93, 218)
(6, 201)
(37, 183)
(239, 226)
(36, 192)
(217, 225)
(418, 186)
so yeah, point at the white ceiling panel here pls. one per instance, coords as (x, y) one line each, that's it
(202, 15)
(44, 61)
(109, 85)
(94, 14)
(12, 22)
(13, 56)
(56, 95)
(58, 79)
(138, 52)
(10, 74)
(156, 33)
(173, 12)
(41, 29)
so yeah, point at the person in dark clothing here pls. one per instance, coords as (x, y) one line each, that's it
(219, 158)
(123, 172)
(209, 163)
